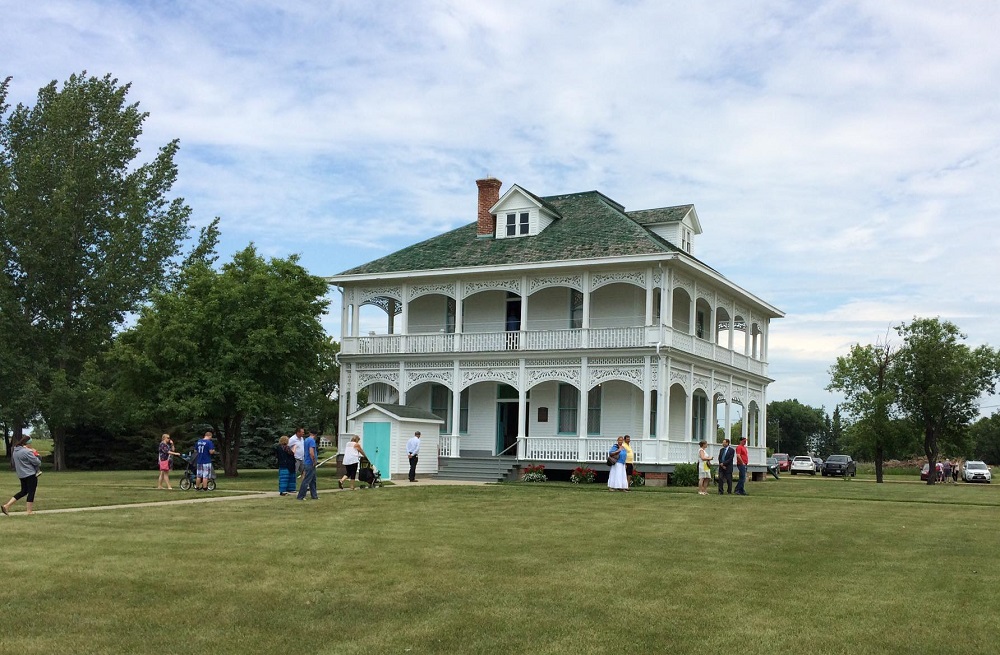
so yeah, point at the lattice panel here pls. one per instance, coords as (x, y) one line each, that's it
(513, 285)
(539, 283)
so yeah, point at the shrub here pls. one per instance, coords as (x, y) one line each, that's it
(582, 475)
(684, 475)
(534, 473)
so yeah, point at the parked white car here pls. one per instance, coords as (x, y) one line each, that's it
(803, 464)
(976, 471)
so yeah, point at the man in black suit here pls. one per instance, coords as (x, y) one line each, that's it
(726, 456)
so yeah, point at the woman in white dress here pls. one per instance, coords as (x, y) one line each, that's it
(618, 478)
(704, 470)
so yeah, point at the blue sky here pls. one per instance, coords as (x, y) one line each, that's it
(843, 155)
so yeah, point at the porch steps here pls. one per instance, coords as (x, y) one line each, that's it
(480, 469)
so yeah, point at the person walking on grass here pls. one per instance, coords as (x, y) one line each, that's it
(726, 456)
(166, 450)
(742, 459)
(704, 470)
(286, 466)
(28, 467)
(352, 457)
(308, 469)
(412, 450)
(204, 450)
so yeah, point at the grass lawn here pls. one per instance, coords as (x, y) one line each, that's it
(804, 564)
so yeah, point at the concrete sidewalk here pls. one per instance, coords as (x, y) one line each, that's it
(227, 496)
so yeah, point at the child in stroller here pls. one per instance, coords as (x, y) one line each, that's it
(368, 474)
(191, 473)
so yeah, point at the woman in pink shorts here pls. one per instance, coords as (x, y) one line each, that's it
(164, 461)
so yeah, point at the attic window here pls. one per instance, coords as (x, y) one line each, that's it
(517, 225)
(686, 240)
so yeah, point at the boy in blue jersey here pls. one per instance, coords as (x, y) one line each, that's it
(204, 450)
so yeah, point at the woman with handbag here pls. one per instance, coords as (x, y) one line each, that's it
(704, 470)
(618, 479)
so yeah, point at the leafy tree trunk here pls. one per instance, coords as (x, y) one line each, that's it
(229, 443)
(879, 460)
(59, 448)
(931, 450)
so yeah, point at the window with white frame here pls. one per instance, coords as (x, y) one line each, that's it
(594, 411)
(518, 223)
(652, 413)
(568, 405)
(699, 416)
(463, 412)
(441, 405)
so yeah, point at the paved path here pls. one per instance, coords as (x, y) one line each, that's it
(233, 495)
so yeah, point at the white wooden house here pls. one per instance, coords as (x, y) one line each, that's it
(553, 324)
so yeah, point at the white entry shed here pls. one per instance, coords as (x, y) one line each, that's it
(384, 430)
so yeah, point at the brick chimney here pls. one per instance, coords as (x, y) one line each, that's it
(489, 194)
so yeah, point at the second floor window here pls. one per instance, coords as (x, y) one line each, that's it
(517, 224)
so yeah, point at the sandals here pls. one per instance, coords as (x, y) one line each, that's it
(340, 483)
(3, 508)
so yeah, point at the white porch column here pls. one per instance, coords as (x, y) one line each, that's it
(732, 323)
(522, 407)
(689, 414)
(647, 388)
(355, 329)
(404, 315)
(762, 439)
(456, 412)
(353, 390)
(586, 310)
(663, 408)
(667, 298)
(747, 322)
(402, 383)
(581, 419)
(521, 341)
(729, 405)
(649, 296)
(345, 391)
(692, 315)
(459, 319)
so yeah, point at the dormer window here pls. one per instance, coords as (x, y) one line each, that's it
(517, 224)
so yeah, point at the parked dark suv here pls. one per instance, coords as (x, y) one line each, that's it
(840, 465)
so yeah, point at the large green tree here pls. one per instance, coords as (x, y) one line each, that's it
(865, 377)
(793, 427)
(86, 233)
(940, 381)
(225, 345)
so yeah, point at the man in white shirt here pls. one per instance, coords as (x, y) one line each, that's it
(412, 450)
(296, 443)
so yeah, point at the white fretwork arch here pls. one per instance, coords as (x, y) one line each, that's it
(568, 281)
(636, 278)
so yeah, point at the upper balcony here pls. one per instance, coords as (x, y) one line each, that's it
(611, 338)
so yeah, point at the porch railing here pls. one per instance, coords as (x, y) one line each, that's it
(595, 450)
(547, 340)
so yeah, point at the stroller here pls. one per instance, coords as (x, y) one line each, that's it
(191, 474)
(368, 474)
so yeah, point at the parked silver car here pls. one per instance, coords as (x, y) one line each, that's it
(976, 471)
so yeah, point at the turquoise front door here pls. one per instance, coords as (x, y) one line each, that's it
(375, 442)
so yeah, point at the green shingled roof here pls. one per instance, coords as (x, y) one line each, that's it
(661, 215)
(590, 225)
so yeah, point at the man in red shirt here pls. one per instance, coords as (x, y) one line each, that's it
(742, 459)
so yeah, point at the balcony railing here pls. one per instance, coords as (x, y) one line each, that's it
(547, 340)
(595, 450)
